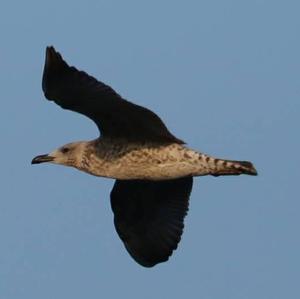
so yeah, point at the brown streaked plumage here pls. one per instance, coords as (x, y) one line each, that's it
(153, 169)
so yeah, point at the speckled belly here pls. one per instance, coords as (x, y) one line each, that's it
(154, 163)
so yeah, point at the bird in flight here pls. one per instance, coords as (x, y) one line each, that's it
(153, 169)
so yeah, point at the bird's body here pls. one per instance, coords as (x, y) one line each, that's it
(153, 169)
(145, 161)
(121, 160)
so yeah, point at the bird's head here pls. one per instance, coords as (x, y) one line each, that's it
(70, 154)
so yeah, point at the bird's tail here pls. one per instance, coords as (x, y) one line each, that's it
(217, 167)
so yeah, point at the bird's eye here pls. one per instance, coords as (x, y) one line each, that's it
(65, 150)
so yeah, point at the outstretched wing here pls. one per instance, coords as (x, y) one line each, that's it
(115, 117)
(148, 216)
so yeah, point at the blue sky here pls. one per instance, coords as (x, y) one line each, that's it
(224, 76)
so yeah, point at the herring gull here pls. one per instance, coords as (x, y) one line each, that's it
(153, 169)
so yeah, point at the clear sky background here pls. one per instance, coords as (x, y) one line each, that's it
(224, 76)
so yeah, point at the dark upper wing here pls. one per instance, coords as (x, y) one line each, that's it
(115, 117)
(149, 216)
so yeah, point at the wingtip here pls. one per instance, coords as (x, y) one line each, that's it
(49, 48)
(49, 55)
(53, 57)
(54, 65)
